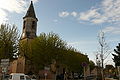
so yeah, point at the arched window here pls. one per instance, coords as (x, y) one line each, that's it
(33, 24)
(28, 34)
(24, 24)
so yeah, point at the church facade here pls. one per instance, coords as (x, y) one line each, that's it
(29, 30)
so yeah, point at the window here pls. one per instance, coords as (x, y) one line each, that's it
(28, 78)
(21, 77)
(28, 34)
(33, 24)
(24, 24)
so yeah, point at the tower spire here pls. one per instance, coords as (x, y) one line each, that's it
(29, 24)
(30, 11)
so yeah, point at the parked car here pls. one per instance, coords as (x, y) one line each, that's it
(18, 76)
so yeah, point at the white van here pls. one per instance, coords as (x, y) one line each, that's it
(18, 76)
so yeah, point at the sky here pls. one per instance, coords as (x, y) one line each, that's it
(78, 22)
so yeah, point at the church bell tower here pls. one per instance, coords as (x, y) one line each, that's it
(28, 33)
(29, 24)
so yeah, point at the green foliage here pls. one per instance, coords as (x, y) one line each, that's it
(48, 47)
(92, 65)
(8, 41)
(74, 60)
(116, 56)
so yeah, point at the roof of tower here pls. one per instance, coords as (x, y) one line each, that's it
(30, 11)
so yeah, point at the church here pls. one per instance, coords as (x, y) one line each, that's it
(28, 33)
(24, 65)
(29, 30)
(29, 24)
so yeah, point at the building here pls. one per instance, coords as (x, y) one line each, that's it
(28, 33)
(23, 64)
(29, 24)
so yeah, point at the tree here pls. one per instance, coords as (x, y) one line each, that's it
(116, 56)
(92, 65)
(104, 50)
(74, 59)
(8, 41)
(42, 50)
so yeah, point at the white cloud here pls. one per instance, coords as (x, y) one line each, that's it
(109, 11)
(11, 6)
(64, 14)
(3, 16)
(113, 30)
(89, 14)
(74, 14)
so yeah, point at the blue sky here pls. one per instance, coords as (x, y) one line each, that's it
(78, 22)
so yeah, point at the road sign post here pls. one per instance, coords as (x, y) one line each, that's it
(84, 64)
(118, 68)
(4, 66)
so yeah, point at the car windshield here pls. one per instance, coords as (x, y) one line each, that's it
(28, 78)
(21, 77)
